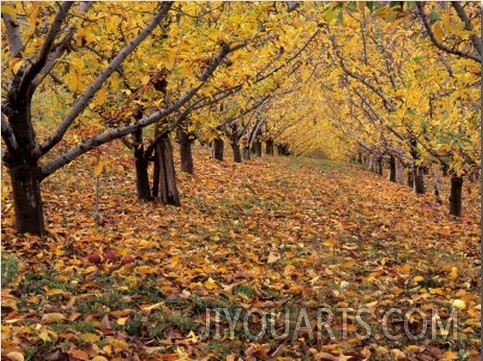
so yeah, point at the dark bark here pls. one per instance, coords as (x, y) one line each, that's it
(419, 181)
(410, 181)
(247, 153)
(392, 169)
(436, 187)
(141, 167)
(379, 165)
(164, 186)
(218, 147)
(237, 157)
(22, 160)
(282, 149)
(27, 199)
(257, 148)
(399, 171)
(269, 147)
(455, 195)
(185, 150)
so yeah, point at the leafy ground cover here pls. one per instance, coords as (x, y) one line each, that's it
(278, 237)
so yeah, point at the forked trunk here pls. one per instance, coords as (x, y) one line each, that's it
(164, 186)
(455, 195)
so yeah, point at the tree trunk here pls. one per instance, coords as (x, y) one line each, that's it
(399, 171)
(282, 149)
(165, 176)
(185, 151)
(29, 217)
(410, 181)
(218, 147)
(392, 169)
(436, 187)
(257, 148)
(141, 166)
(237, 157)
(246, 153)
(142, 178)
(22, 161)
(455, 195)
(269, 147)
(419, 181)
(379, 165)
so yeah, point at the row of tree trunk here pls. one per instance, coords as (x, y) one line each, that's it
(415, 179)
(163, 185)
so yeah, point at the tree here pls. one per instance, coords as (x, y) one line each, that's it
(25, 76)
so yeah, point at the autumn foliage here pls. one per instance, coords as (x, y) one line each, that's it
(267, 234)
(170, 167)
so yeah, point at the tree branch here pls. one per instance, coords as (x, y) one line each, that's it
(14, 38)
(464, 54)
(8, 136)
(26, 84)
(119, 132)
(475, 40)
(83, 101)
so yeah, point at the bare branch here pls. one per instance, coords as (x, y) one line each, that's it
(14, 38)
(8, 136)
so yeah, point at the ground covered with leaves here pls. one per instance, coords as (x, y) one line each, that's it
(273, 259)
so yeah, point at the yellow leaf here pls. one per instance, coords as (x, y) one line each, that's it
(453, 274)
(418, 279)
(90, 269)
(89, 337)
(144, 243)
(459, 304)
(16, 67)
(288, 270)
(101, 96)
(9, 10)
(47, 335)
(273, 256)
(330, 242)
(53, 317)
(98, 169)
(449, 355)
(169, 59)
(145, 79)
(99, 358)
(210, 284)
(122, 321)
(153, 307)
(54, 291)
(438, 32)
(15, 355)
